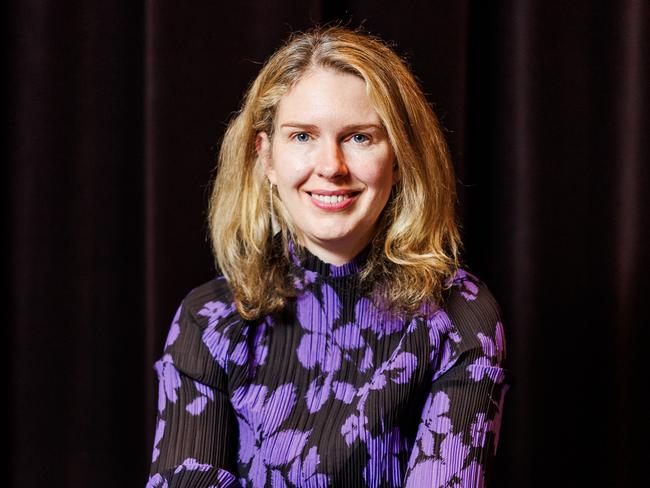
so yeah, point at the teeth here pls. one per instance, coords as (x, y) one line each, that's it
(330, 198)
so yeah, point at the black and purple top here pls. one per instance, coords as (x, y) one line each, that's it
(333, 391)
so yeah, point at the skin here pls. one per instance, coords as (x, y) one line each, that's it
(328, 137)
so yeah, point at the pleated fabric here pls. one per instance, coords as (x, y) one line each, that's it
(333, 391)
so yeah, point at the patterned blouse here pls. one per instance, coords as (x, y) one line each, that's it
(333, 391)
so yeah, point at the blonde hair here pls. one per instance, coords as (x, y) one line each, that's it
(416, 248)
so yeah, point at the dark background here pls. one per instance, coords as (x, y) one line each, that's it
(115, 113)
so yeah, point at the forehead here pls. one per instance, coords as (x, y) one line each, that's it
(327, 96)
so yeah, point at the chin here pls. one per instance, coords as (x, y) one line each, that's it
(333, 238)
(335, 231)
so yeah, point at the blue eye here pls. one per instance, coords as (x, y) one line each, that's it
(302, 137)
(360, 138)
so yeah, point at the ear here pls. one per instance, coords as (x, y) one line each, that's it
(263, 148)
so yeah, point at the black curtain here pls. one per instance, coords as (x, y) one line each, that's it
(116, 110)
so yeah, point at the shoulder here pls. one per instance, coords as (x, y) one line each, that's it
(475, 315)
(199, 337)
(471, 302)
(208, 303)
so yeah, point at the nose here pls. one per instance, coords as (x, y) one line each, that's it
(329, 160)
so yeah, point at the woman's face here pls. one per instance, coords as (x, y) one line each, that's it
(332, 162)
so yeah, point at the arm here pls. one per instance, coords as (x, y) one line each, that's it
(458, 432)
(196, 431)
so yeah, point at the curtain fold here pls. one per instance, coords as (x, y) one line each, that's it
(116, 111)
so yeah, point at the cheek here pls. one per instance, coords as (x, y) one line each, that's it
(291, 167)
(378, 175)
(292, 176)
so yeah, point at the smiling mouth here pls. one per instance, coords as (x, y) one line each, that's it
(333, 199)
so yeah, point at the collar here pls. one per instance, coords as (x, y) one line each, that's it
(303, 258)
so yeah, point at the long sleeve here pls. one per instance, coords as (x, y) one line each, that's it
(458, 432)
(196, 430)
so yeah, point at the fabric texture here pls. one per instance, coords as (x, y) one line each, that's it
(332, 391)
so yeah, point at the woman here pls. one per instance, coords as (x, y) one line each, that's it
(340, 344)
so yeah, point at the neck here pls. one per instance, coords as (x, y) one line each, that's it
(336, 254)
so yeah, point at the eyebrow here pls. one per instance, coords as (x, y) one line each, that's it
(298, 125)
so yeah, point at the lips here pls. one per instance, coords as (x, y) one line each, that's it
(333, 200)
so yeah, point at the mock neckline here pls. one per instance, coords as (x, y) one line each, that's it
(311, 262)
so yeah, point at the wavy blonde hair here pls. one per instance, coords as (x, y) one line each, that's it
(416, 247)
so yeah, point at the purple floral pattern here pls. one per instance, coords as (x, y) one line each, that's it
(493, 353)
(197, 405)
(342, 374)
(303, 471)
(445, 450)
(384, 465)
(384, 448)
(268, 450)
(444, 453)
(325, 347)
(466, 284)
(160, 429)
(169, 382)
